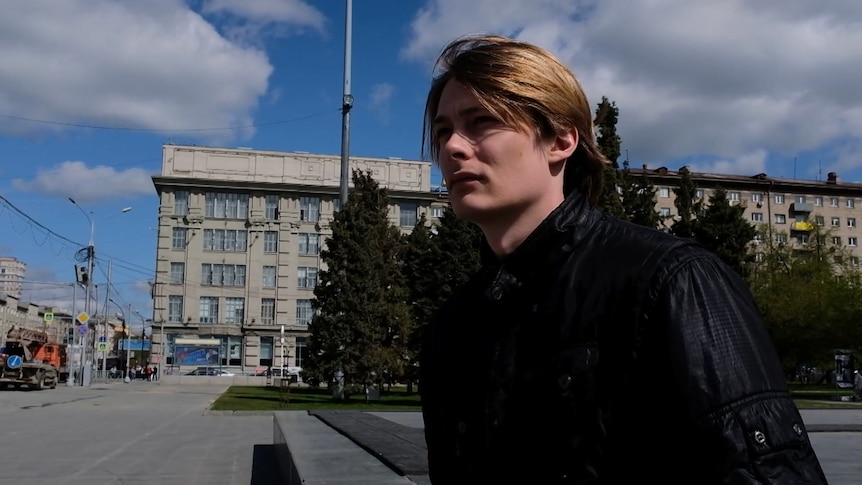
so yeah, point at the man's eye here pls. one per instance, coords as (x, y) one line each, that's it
(442, 132)
(482, 120)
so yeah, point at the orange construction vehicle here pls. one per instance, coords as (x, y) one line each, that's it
(31, 359)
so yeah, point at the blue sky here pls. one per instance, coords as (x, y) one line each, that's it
(90, 90)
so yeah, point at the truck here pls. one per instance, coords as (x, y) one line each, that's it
(31, 359)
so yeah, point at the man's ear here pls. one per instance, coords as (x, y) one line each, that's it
(563, 146)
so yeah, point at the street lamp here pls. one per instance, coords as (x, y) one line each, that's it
(143, 334)
(123, 313)
(91, 261)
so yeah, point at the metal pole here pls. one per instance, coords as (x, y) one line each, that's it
(105, 325)
(128, 329)
(282, 353)
(70, 381)
(162, 350)
(347, 104)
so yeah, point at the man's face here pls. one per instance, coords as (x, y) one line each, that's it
(493, 172)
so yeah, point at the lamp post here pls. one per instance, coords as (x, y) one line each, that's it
(123, 313)
(91, 262)
(143, 333)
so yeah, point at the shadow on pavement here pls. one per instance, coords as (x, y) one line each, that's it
(264, 468)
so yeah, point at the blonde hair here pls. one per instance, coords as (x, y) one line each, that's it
(521, 83)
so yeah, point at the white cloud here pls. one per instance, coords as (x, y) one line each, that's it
(88, 184)
(723, 81)
(250, 21)
(145, 65)
(381, 96)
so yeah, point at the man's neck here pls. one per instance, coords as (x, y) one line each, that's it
(505, 234)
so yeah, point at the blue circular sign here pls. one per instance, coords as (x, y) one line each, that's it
(14, 361)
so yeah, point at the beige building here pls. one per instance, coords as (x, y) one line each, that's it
(18, 314)
(239, 239)
(12, 274)
(790, 209)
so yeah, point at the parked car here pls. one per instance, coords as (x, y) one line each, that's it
(209, 371)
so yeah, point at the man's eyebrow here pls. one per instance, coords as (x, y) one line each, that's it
(464, 113)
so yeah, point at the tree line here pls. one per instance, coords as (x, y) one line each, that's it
(379, 287)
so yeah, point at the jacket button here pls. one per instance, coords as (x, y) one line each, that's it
(497, 293)
(565, 381)
(759, 437)
(797, 429)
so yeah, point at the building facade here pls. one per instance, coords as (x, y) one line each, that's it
(788, 211)
(12, 272)
(238, 255)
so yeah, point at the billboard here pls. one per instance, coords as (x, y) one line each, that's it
(199, 355)
(134, 344)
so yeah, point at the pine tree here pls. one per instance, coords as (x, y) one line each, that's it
(459, 245)
(609, 142)
(687, 205)
(638, 198)
(722, 228)
(361, 324)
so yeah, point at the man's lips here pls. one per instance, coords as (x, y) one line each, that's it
(458, 178)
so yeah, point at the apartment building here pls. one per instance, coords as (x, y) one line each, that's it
(238, 255)
(790, 209)
(12, 273)
(18, 314)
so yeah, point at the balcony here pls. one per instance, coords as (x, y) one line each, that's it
(802, 226)
(801, 207)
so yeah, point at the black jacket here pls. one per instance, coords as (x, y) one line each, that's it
(604, 352)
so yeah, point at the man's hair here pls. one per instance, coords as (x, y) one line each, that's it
(521, 84)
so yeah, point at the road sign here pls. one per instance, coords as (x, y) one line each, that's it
(82, 329)
(102, 338)
(102, 347)
(49, 317)
(14, 362)
(83, 317)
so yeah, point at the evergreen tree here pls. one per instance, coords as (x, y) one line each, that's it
(638, 198)
(422, 276)
(361, 324)
(687, 205)
(722, 228)
(609, 142)
(459, 245)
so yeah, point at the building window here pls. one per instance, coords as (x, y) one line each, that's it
(733, 196)
(178, 238)
(221, 205)
(336, 205)
(780, 218)
(781, 238)
(223, 274)
(757, 197)
(664, 192)
(851, 203)
(271, 209)
(818, 201)
(836, 240)
(758, 237)
(301, 350)
(178, 273)
(225, 240)
(779, 198)
(267, 311)
(181, 203)
(437, 212)
(175, 309)
(800, 199)
(270, 241)
(851, 222)
(759, 257)
(407, 214)
(802, 239)
(306, 277)
(854, 260)
(698, 193)
(266, 346)
(819, 220)
(209, 309)
(268, 277)
(664, 212)
(309, 243)
(833, 202)
(757, 216)
(304, 312)
(235, 310)
(852, 241)
(836, 222)
(309, 209)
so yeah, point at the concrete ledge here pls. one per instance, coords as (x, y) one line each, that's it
(310, 452)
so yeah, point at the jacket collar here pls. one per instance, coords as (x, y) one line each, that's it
(546, 241)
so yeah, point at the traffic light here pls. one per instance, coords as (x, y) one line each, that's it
(82, 275)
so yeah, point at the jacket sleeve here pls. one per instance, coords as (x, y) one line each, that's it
(429, 393)
(726, 368)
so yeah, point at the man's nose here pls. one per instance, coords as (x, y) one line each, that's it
(457, 147)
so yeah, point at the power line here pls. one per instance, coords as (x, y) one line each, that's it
(161, 130)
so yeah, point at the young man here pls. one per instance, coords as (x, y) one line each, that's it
(587, 350)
